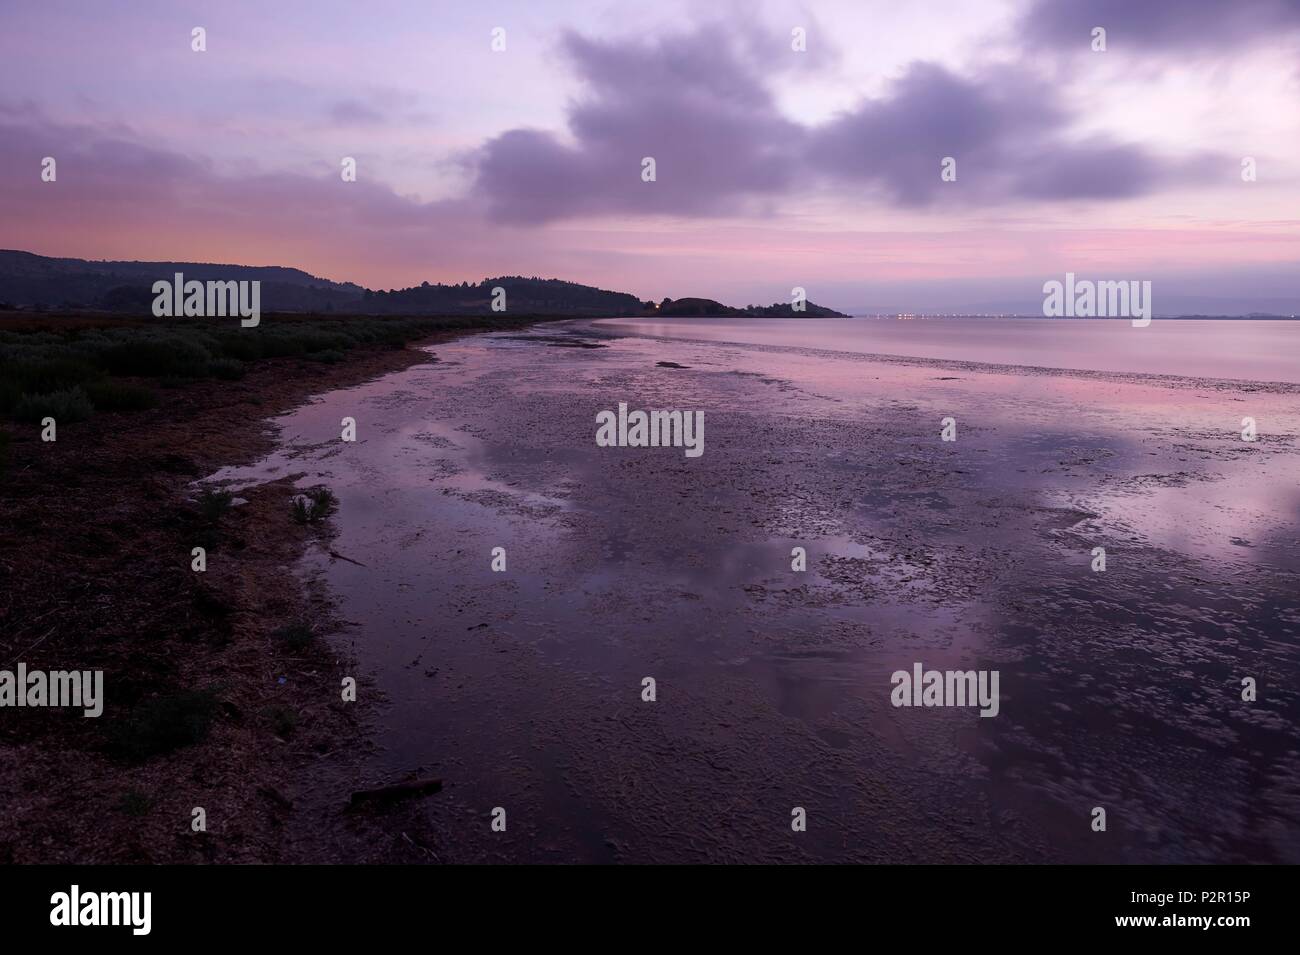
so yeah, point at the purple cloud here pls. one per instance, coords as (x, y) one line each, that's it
(1142, 24)
(689, 102)
(1007, 133)
(700, 107)
(898, 141)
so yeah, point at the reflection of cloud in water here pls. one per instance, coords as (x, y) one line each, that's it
(774, 685)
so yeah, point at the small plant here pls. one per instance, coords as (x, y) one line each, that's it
(227, 369)
(330, 356)
(214, 503)
(295, 636)
(166, 723)
(109, 395)
(62, 406)
(282, 719)
(134, 803)
(314, 505)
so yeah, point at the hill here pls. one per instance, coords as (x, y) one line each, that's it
(28, 279)
(708, 308)
(36, 281)
(531, 296)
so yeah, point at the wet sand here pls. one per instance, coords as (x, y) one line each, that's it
(522, 689)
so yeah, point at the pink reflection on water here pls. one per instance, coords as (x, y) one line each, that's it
(1242, 349)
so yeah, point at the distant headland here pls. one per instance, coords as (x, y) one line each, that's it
(36, 282)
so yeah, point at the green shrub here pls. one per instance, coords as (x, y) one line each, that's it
(314, 505)
(49, 373)
(109, 395)
(295, 636)
(160, 357)
(214, 503)
(244, 347)
(172, 353)
(62, 406)
(10, 390)
(331, 356)
(165, 724)
(282, 719)
(135, 803)
(227, 369)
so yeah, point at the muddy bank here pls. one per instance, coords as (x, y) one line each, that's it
(220, 693)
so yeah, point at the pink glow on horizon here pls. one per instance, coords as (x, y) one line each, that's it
(231, 155)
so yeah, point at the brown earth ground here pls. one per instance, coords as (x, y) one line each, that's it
(96, 532)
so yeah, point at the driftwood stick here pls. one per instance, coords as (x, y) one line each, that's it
(415, 787)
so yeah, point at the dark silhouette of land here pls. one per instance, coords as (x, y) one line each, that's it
(40, 282)
(708, 308)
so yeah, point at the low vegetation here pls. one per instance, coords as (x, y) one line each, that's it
(282, 720)
(214, 503)
(165, 724)
(64, 405)
(135, 803)
(69, 367)
(314, 505)
(295, 636)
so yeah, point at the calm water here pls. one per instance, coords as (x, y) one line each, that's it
(1237, 349)
(522, 689)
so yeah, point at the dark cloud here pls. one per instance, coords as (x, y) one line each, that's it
(898, 141)
(689, 102)
(1145, 24)
(1096, 169)
(94, 164)
(1007, 133)
(699, 105)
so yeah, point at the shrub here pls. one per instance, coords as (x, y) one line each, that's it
(159, 357)
(295, 636)
(227, 369)
(134, 803)
(110, 395)
(214, 503)
(283, 720)
(314, 505)
(165, 724)
(244, 347)
(45, 373)
(10, 390)
(330, 356)
(62, 406)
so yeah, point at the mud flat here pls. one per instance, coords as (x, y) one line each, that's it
(522, 690)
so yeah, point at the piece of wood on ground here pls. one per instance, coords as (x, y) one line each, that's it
(403, 790)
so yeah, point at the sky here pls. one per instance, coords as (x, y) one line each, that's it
(775, 167)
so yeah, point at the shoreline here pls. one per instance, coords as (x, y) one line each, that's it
(95, 561)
